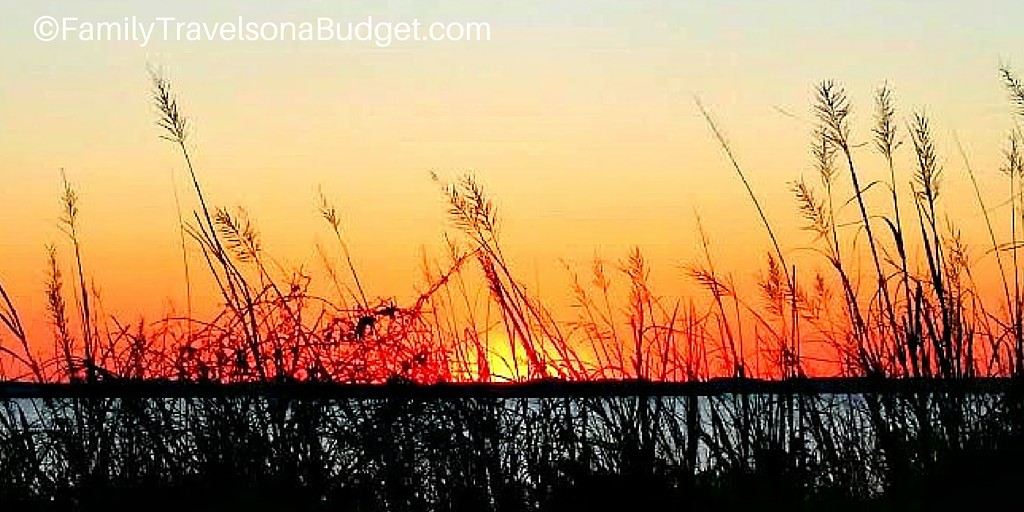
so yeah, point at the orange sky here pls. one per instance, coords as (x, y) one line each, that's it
(577, 116)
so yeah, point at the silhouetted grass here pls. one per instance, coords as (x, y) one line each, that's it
(939, 422)
(417, 452)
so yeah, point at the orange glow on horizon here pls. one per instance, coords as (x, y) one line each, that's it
(579, 123)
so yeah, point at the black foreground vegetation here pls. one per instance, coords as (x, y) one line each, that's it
(790, 445)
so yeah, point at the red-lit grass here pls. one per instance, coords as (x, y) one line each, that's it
(917, 314)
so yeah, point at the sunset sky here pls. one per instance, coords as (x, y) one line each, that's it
(578, 116)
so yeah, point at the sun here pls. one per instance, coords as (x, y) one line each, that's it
(505, 364)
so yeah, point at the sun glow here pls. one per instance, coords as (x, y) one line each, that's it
(505, 363)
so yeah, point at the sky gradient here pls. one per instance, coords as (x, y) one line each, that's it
(578, 117)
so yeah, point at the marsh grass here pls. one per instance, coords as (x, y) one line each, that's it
(917, 314)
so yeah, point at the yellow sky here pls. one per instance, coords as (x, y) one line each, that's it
(577, 116)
